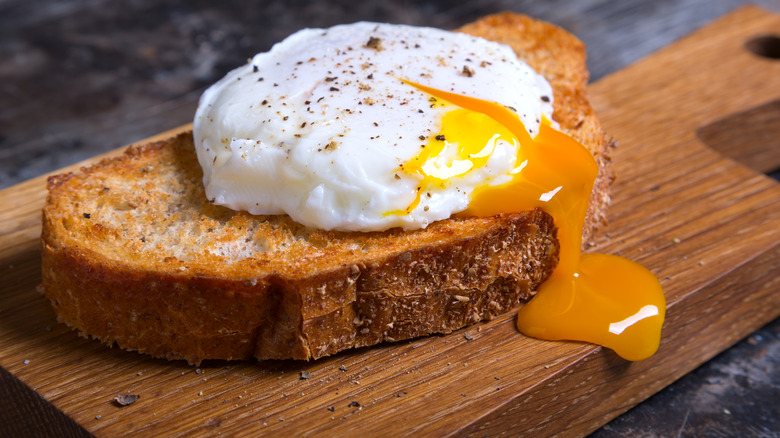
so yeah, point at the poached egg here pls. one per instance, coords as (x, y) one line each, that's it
(328, 126)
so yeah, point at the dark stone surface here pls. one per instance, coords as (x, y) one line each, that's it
(81, 77)
(736, 394)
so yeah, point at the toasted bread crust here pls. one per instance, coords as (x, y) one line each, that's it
(134, 254)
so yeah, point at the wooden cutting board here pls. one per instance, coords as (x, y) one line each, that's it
(684, 206)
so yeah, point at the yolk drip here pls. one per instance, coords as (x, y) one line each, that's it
(598, 298)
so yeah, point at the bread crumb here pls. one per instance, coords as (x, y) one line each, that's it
(126, 399)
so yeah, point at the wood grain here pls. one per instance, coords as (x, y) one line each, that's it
(706, 225)
(39, 418)
(751, 137)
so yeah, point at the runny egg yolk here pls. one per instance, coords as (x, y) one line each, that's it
(598, 298)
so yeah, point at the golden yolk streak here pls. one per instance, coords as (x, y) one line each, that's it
(598, 298)
(439, 159)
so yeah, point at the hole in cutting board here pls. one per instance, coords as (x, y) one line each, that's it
(767, 46)
(751, 137)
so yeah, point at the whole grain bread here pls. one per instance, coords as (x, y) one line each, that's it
(134, 254)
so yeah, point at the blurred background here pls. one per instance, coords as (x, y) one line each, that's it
(82, 77)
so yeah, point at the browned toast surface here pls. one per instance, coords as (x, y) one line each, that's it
(134, 254)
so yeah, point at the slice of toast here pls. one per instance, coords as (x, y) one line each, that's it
(134, 254)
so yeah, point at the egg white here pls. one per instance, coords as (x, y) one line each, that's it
(319, 126)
